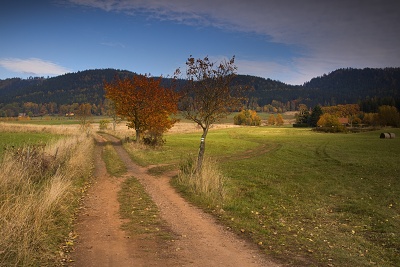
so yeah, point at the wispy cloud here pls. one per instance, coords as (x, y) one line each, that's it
(32, 66)
(341, 33)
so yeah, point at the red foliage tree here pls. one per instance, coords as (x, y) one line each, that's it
(144, 103)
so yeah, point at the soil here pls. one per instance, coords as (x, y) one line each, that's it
(200, 240)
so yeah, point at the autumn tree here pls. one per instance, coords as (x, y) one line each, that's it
(271, 119)
(144, 103)
(210, 95)
(388, 116)
(330, 123)
(279, 120)
(247, 117)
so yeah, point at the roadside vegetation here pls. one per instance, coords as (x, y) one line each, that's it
(41, 184)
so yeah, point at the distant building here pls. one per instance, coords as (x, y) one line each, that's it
(344, 121)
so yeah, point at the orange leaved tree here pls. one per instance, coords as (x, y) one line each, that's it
(144, 103)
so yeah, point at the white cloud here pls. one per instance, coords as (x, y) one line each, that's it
(331, 34)
(32, 66)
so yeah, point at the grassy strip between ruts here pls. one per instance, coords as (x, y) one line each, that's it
(114, 164)
(135, 204)
(142, 212)
(307, 199)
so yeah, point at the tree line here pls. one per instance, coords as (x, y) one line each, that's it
(370, 88)
(31, 109)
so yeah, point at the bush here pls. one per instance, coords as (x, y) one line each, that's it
(103, 125)
(153, 139)
(247, 117)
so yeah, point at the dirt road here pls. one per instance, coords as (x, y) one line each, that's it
(201, 241)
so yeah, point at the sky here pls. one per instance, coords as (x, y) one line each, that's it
(286, 40)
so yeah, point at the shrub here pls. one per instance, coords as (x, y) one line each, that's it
(330, 123)
(247, 117)
(103, 125)
(153, 138)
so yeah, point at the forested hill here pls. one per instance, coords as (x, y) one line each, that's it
(342, 86)
(351, 85)
(80, 87)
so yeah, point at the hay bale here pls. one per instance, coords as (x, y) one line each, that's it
(387, 135)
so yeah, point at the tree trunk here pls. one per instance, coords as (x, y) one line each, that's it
(201, 150)
(137, 135)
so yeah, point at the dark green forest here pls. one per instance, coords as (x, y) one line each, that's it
(368, 87)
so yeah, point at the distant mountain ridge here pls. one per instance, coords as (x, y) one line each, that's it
(338, 87)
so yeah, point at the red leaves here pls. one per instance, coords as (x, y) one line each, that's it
(143, 102)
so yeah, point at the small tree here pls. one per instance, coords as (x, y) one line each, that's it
(316, 113)
(303, 116)
(279, 120)
(209, 95)
(330, 123)
(247, 117)
(110, 111)
(271, 119)
(84, 112)
(144, 103)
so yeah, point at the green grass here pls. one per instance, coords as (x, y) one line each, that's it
(18, 139)
(140, 210)
(307, 198)
(114, 164)
(320, 198)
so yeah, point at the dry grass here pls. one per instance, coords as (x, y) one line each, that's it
(54, 129)
(209, 183)
(39, 187)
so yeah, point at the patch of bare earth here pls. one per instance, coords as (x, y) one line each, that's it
(201, 241)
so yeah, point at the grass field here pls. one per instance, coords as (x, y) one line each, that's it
(307, 198)
(9, 139)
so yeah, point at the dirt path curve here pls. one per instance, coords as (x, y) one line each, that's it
(202, 242)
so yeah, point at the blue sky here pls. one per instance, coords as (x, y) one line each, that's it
(287, 40)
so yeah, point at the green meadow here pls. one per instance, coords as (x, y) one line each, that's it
(306, 198)
(19, 139)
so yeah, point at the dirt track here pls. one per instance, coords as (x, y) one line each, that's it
(201, 241)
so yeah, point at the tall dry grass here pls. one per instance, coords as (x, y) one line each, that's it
(209, 183)
(54, 129)
(40, 189)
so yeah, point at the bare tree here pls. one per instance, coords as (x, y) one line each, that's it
(209, 95)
